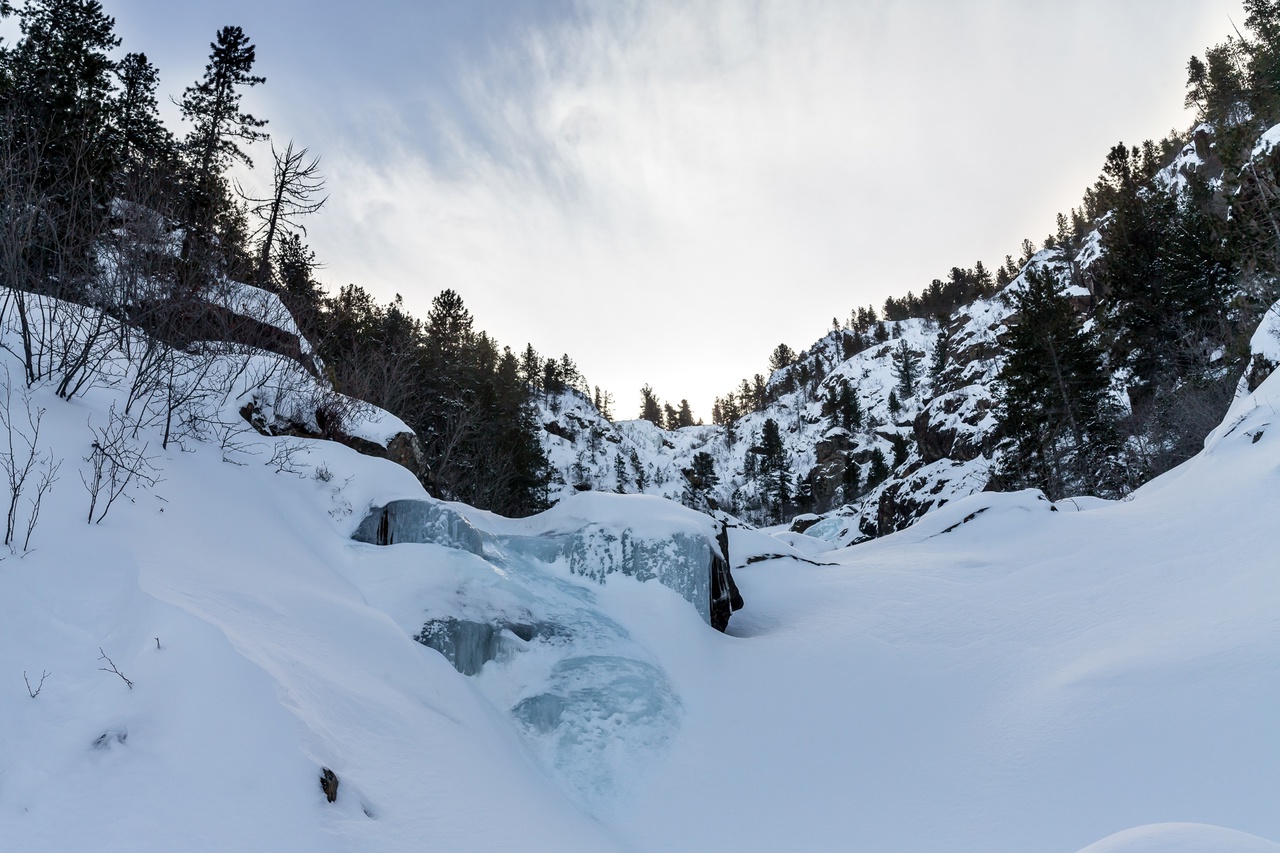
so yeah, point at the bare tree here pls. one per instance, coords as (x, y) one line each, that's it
(297, 182)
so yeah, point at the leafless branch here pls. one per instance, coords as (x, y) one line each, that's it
(36, 692)
(111, 667)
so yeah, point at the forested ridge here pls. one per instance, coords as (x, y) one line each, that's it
(1120, 339)
(102, 205)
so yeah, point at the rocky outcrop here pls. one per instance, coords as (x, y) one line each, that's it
(959, 425)
(1260, 367)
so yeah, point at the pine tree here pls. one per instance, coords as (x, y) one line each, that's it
(700, 479)
(146, 145)
(782, 356)
(295, 266)
(670, 417)
(851, 482)
(906, 365)
(60, 79)
(58, 144)
(1054, 408)
(938, 362)
(878, 472)
(901, 449)
(684, 415)
(650, 409)
(219, 125)
(642, 480)
(619, 474)
(774, 470)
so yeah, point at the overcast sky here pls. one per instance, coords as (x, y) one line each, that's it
(667, 190)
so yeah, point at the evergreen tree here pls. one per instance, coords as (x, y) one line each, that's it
(146, 145)
(1166, 273)
(642, 480)
(900, 450)
(619, 474)
(938, 362)
(650, 409)
(879, 470)
(684, 415)
(57, 141)
(782, 356)
(774, 470)
(219, 126)
(59, 82)
(1054, 409)
(301, 293)
(670, 417)
(851, 481)
(700, 479)
(906, 365)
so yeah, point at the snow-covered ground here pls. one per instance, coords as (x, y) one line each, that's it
(1005, 675)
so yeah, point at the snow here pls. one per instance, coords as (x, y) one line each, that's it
(1182, 838)
(1006, 674)
(1265, 341)
(1001, 676)
(1266, 142)
(1173, 178)
(257, 304)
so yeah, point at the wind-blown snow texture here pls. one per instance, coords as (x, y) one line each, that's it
(1004, 675)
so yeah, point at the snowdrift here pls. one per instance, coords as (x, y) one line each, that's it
(1007, 674)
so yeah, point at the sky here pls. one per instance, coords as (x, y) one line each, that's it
(667, 190)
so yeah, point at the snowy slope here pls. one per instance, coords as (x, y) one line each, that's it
(1005, 675)
(1002, 676)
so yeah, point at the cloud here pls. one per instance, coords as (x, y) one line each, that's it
(667, 190)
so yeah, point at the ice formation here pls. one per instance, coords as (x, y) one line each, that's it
(518, 612)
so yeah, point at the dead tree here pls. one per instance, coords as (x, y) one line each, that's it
(297, 183)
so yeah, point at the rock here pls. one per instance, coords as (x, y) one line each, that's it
(1260, 367)
(959, 425)
(801, 523)
(329, 784)
(725, 598)
(554, 428)
(405, 450)
(836, 441)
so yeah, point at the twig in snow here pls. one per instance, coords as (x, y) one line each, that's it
(113, 668)
(40, 686)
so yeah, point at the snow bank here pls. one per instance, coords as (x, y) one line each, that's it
(1182, 838)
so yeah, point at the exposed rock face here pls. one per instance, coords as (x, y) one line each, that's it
(405, 450)
(1260, 367)
(922, 487)
(958, 425)
(836, 441)
(329, 784)
(725, 598)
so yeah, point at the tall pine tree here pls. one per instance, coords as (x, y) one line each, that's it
(1054, 409)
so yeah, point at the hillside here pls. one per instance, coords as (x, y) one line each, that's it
(1006, 674)
(941, 439)
(293, 570)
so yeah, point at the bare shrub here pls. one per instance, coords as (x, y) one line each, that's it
(115, 463)
(23, 467)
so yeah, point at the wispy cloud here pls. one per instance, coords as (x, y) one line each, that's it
(668, 189)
